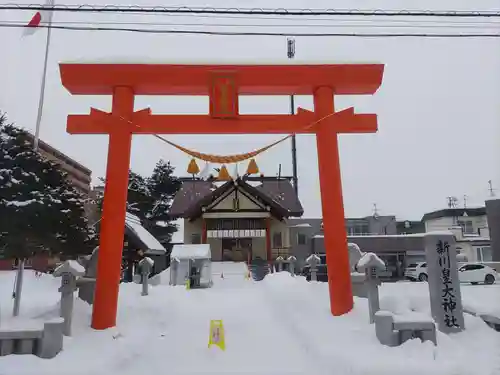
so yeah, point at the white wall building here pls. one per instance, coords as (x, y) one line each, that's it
(470, 226)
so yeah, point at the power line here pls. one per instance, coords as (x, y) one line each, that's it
(337, 20)
(481, 25)
(264, 33)
(251, 11)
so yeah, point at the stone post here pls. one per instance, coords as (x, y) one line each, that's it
(68, 272)
(52, 340)
(291, 261)
(370, 263)
(384, 329)
(443, 281)
(279, 262)
(174, 266)
(313, 260)
(146, 265)
(372, 290)
(18, 287)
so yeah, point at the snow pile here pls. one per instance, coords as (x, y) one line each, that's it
(370, 260)
(71, 266)
(281, 325)
(150, 261)
(315, 257)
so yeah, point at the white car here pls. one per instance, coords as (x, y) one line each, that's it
(473, 273)
(416, 271)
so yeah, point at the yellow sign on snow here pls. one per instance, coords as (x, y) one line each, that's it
(217, 334)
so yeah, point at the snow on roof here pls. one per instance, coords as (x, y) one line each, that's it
(472, 239)
(134, 224)
(69, 266)
(370, 260)
(443, 233)
(150, 261)
(212, 61)
(201, 251)
(311, 257)
(301, 225)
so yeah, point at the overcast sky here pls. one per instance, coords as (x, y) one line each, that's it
(438, 107)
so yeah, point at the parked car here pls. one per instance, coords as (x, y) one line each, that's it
(473, 273)
(416, 271)
(321, 275)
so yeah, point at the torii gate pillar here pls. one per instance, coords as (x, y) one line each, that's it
(223, 84)
(332, 205)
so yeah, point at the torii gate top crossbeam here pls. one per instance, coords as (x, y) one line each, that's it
(171, 79)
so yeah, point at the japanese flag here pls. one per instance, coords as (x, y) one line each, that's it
(41, 18)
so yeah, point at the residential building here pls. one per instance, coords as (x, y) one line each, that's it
(375, 224)
(493, 218)
(410, 227)
(397, 251)
(79, 175)
(303, 230)
(243, 219)
(473, 221)
(470, 226)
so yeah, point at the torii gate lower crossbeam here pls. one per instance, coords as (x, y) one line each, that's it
(223, 84)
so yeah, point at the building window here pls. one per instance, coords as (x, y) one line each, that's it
(195, 238)
(484, 254)
(357, 229)
(301, 239)
(277, 240)
(466, 226)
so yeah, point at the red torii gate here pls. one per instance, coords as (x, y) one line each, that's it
(223, 84)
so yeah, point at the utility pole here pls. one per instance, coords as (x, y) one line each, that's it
(492, 192)
(290, 42)
(452, 203)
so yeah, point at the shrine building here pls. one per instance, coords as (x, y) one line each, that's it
(243, 219)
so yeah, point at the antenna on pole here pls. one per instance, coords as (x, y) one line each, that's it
(465, 201)
(452, 202)
(375, 211)
(492, 191)
(290, 44)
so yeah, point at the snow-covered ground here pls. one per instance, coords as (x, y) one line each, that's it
(281, 325)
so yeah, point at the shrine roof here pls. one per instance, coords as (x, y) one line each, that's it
(192, 78)
(278, 194)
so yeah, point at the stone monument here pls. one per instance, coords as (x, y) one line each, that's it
(444, 284)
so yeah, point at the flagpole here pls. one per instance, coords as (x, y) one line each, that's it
(42, 86)
(20, 269)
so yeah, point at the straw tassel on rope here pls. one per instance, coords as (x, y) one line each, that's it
(224, 174)
(193, 167)
(252, 167)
